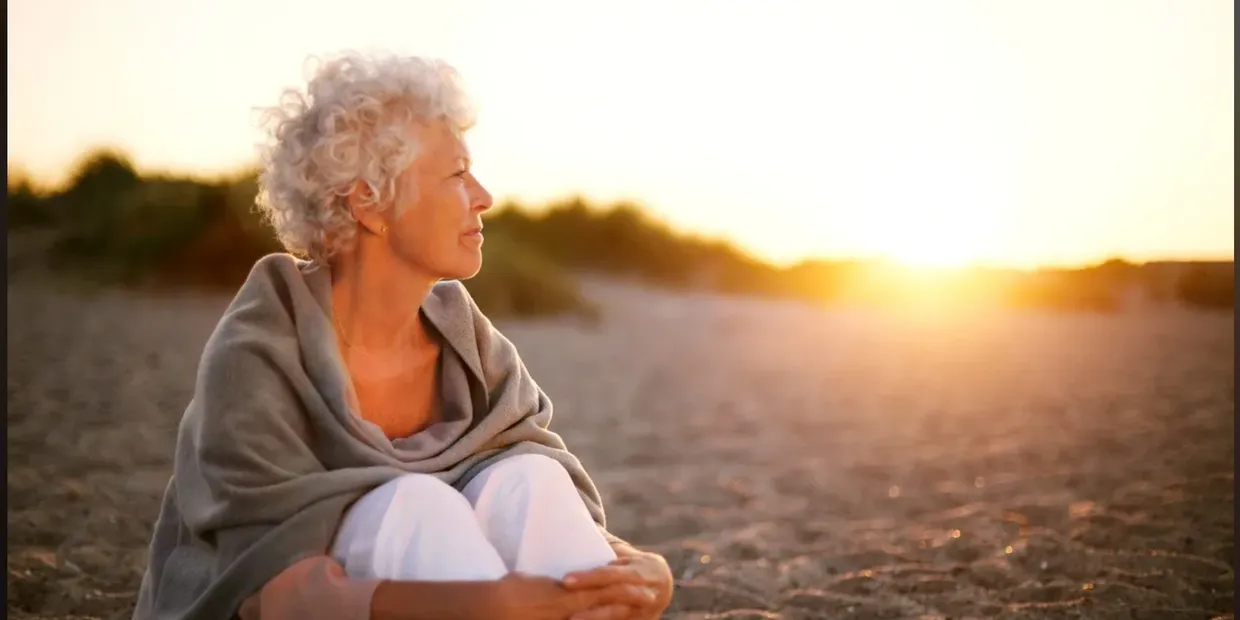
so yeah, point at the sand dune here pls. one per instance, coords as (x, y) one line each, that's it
(790, 462)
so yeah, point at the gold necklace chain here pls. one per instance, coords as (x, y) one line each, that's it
(345, 339)
(340, 328)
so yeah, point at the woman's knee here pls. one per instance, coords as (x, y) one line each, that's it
(415, 526)
(401, 506)
(416, 493)
(532, 471)
(414, 497)
(535, 517)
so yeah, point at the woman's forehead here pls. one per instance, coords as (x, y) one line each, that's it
(442, 140)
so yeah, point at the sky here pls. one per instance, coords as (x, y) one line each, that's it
(938, 132)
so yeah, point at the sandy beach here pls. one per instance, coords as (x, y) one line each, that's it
(790, 462)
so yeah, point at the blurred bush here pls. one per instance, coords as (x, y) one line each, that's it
(26, 209)
(516, 280)
(115, 225)
(175, 232)
(1064, 290)
(618, 240)
(1209, 286)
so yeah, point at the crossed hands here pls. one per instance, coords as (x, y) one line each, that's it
(636, 586)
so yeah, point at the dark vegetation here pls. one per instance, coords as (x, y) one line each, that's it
(112, 223)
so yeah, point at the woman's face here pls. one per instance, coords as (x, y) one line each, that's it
(436, 226)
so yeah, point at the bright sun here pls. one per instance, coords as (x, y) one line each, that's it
(934, 254)
(944, 243)
(944, 213)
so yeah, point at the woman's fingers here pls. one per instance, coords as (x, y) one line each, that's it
(602, 576)
(606, 612)
(628, 594)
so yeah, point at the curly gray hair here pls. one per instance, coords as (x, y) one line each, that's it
(351, 125)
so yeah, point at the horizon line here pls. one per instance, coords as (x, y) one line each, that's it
(233, 172)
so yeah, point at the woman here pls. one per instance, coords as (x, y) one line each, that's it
(362, 442)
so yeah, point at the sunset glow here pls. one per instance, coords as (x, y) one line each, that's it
(934, 133)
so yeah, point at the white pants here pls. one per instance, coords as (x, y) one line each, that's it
(521, 514)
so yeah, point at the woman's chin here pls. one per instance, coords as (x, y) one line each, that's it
(466, 269)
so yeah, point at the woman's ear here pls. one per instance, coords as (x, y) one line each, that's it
(364, 205)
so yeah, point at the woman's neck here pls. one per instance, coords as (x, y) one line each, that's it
(376, 300)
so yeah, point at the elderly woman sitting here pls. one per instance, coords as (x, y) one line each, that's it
(362, 442)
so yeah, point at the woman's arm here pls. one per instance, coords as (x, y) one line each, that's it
(434, 600)
(318, 589)
(311, 589)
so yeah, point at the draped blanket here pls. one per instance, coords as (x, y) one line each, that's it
(270, 451)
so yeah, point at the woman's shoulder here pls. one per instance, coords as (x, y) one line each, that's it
(452, 291)
(278, 269)
(456, 315)
(449, 302)
(276, 283)
(265, 307)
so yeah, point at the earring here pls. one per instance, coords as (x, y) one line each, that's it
(383, 229)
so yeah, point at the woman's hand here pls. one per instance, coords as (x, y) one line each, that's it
(634, 568)
(524, 597)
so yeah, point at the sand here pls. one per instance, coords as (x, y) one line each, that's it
(790, 462)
